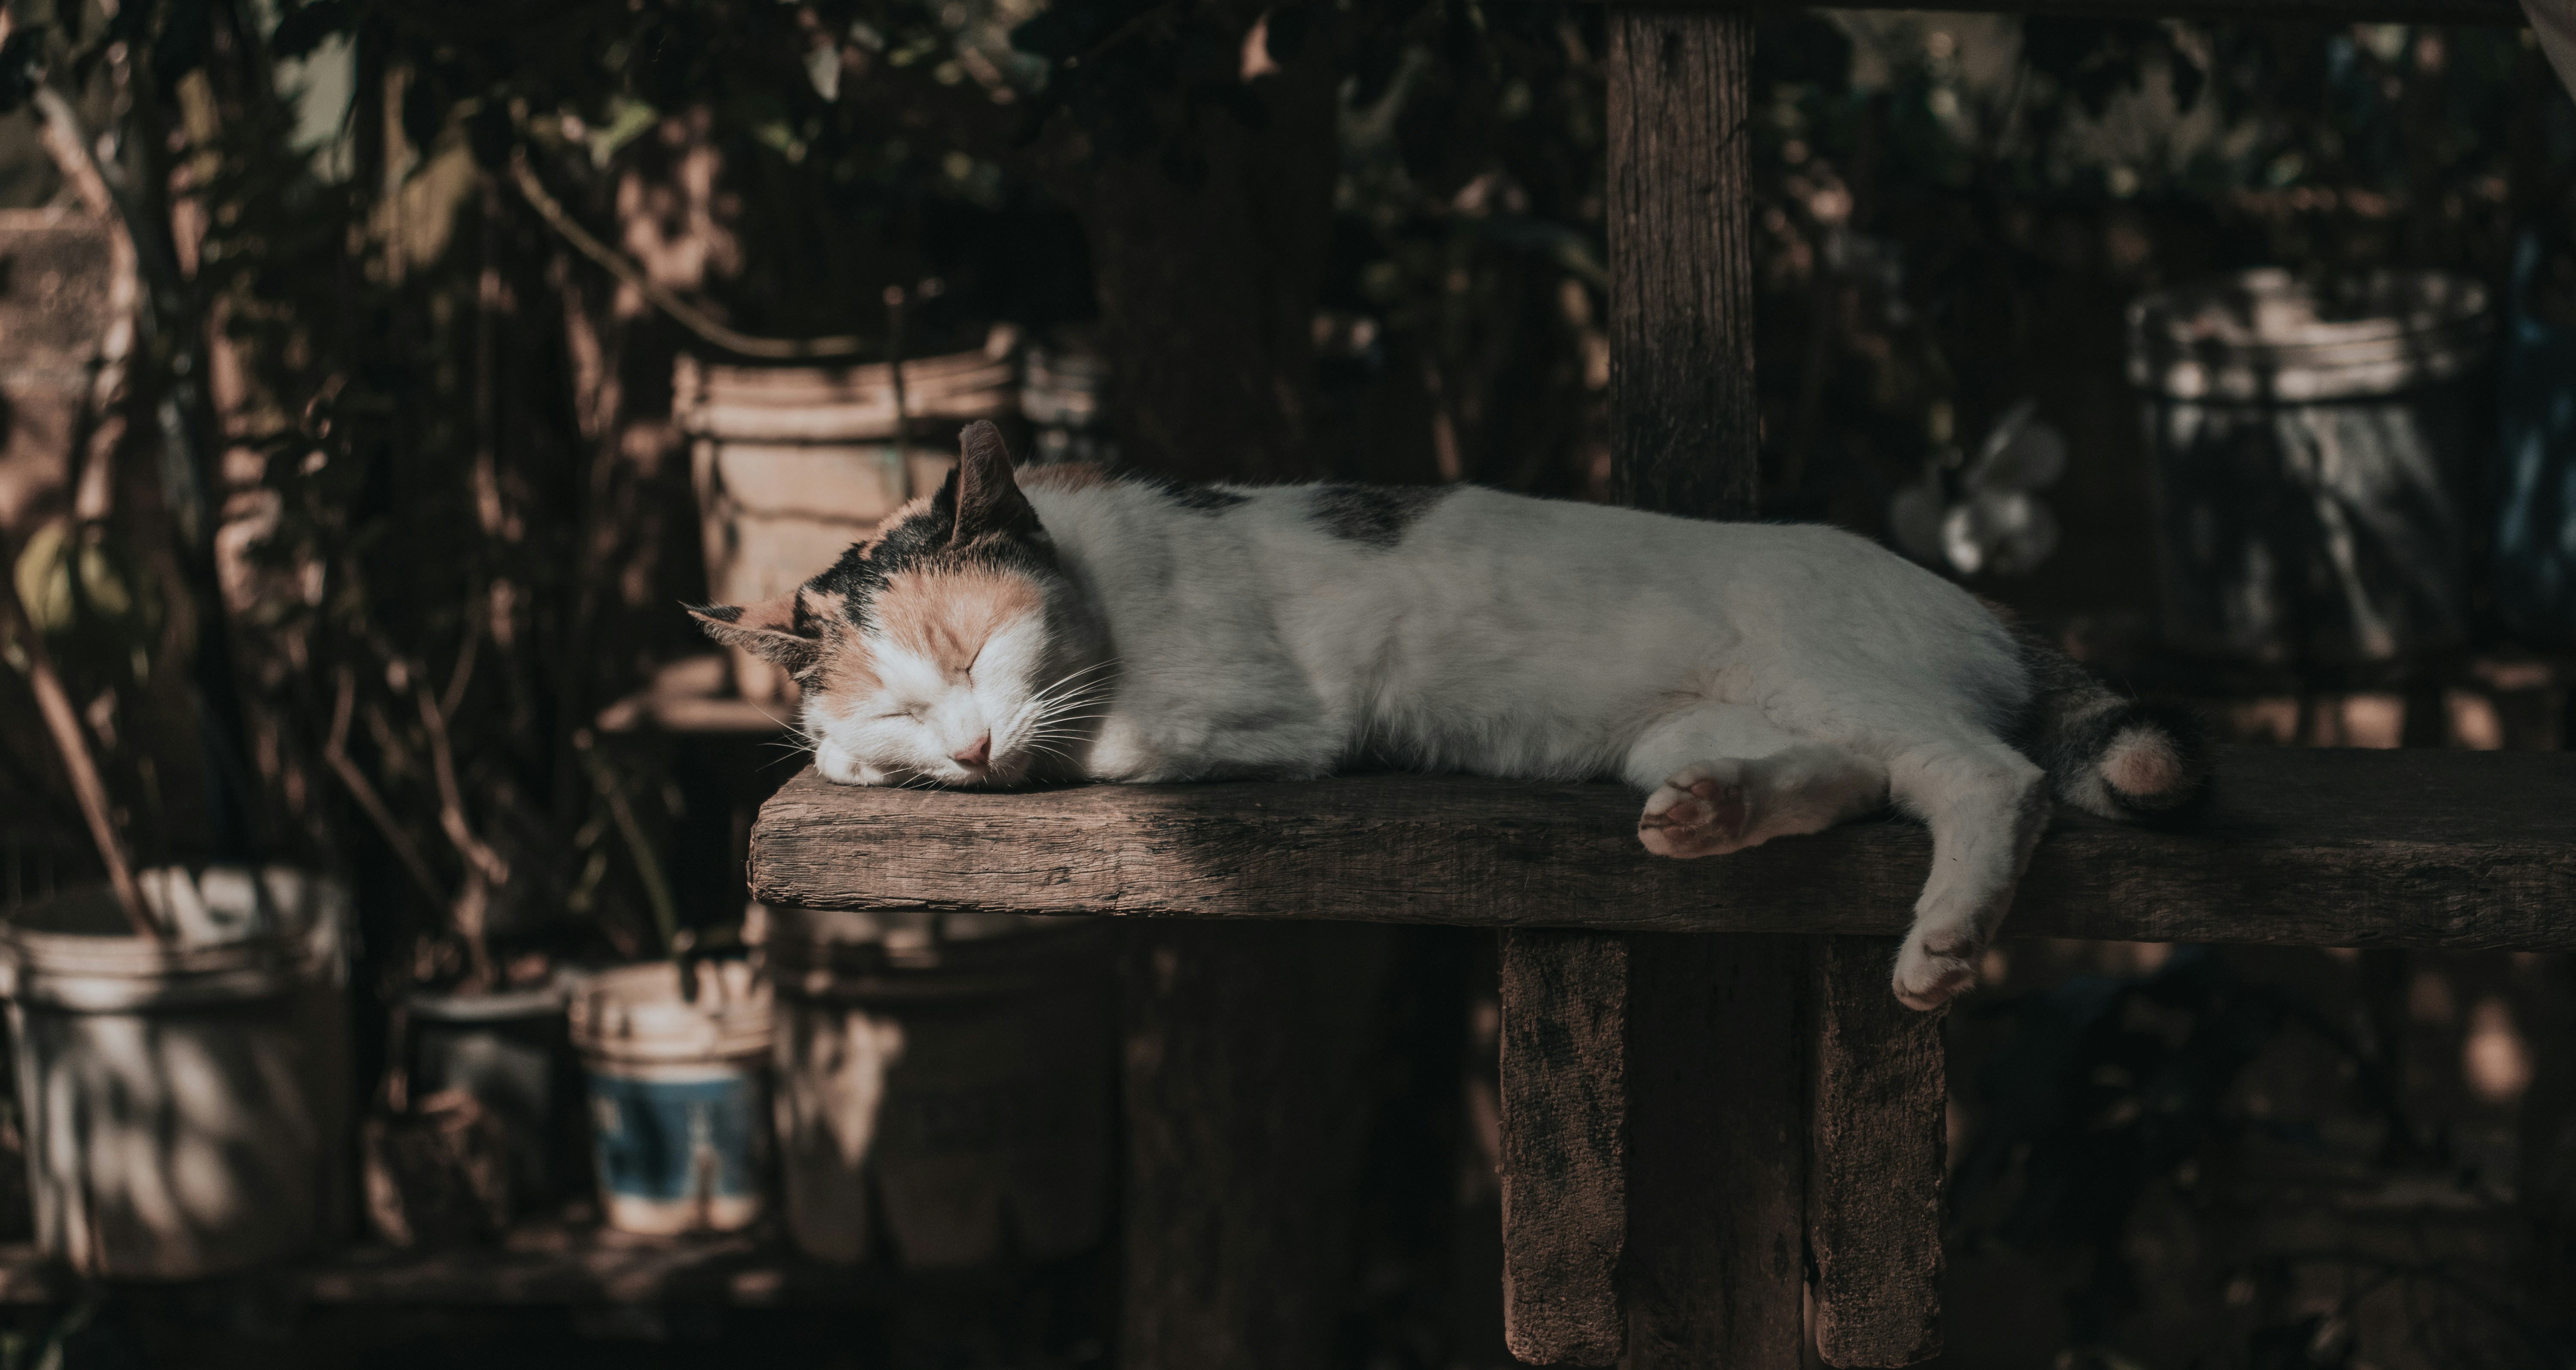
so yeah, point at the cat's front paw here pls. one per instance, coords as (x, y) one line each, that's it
(1703, 810)
(1930, 972)
(840, 766)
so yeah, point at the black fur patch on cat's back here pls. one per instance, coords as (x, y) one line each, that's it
(919, 541)
(1373, 514)
(1200, 499)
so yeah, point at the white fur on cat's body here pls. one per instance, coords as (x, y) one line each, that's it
(1807, 674)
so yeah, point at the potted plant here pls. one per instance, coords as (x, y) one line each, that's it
(180, 1026)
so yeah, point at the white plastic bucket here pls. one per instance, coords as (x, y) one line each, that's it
(2309, 444)
(186, 1104)
(947, 1079)
(792, 464)
(679, 1107)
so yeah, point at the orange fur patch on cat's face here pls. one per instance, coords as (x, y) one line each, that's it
(945, 616)
(844, 666)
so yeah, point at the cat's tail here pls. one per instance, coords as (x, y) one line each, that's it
(2104, 752)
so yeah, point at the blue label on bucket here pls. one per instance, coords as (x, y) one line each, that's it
(677, 1140)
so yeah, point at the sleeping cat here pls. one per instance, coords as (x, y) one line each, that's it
(1756, 680)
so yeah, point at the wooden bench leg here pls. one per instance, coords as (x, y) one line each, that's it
(1717, 1154)
(1565, 1115)
(1693, 1126)
(1874, 1180)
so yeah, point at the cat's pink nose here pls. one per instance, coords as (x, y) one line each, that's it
(975, 753)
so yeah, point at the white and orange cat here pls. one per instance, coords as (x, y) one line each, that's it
(1756, 680)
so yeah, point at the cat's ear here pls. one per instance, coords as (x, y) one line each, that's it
(989, 502)
(775, 630)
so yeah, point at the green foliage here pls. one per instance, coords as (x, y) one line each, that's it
(92, 599)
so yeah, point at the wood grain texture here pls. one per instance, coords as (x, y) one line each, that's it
(1683, 426)
(1876, 1160)
(1717, 1120)
(2497, 13)
(1248, 1097)
(2299, 847)
(1565, 1181)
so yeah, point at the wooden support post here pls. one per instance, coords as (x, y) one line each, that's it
(1652, 1213)
(1715, 1265)
(1874, 1180)
(1683, 426)
(1662, 1212)
(1247, 1047)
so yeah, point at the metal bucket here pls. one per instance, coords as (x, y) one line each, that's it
(679, 1109)
(794, 463)
(510, 1051)
(946, 1079)
(186, 1103)
(2535, 477)
(2309, 448)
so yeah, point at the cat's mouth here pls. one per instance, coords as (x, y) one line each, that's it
(1001, 773)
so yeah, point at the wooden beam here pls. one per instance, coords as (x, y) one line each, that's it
(2299, 847)
(1874, 1180)
(2491, 13)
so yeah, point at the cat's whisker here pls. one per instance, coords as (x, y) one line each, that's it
(1056, 710)
(1079, 699)
(1067, 686)
(1066, 733)
(1071, 678)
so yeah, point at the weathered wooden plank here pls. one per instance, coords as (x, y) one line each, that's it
(2495, 13)
(1875, 1167)
(2304, 847)
(1717, 1155)
(1565, 1185)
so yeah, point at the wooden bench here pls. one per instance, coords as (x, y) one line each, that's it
(1706, 1081)
(1712, 1104)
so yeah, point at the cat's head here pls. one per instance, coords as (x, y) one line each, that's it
(948, 647)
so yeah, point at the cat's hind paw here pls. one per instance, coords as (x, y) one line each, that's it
(1928, 978)
(1703, 810)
